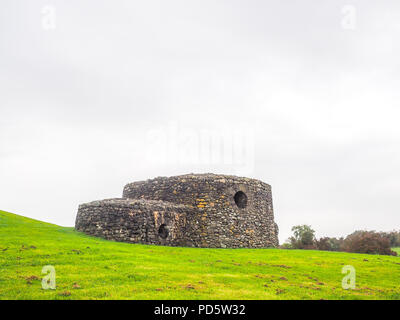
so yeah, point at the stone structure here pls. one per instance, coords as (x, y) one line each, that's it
(197, 210)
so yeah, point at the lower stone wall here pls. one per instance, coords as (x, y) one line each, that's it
(136, 221)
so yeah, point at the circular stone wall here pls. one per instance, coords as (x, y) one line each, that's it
(204, 210)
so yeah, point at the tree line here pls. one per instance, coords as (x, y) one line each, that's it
(360, 241)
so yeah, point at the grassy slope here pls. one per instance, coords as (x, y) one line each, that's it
(110, 270)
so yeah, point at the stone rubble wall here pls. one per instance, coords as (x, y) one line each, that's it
(198, 210)
(136, 221)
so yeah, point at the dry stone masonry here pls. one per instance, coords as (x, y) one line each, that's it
(196, 210)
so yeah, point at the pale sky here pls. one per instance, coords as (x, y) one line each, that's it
(303, 95)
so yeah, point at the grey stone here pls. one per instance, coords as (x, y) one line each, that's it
(195, 210)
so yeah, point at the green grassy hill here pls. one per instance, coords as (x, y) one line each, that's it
(92, 268)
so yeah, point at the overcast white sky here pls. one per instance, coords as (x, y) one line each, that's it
(303, 95)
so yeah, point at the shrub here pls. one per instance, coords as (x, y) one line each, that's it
(393, 237)
(286, 245)
(367, 242)
(303, 237)
(329, 244)
(323, 244)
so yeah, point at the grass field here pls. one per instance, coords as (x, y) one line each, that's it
(92, 268)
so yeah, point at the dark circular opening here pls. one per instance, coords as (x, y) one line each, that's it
(163, 231)
(240, 199)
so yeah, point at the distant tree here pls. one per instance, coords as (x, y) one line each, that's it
(303, 237)
(323, 244)
(393, 237)
(329, 244)
(336, 243)
(367, 242)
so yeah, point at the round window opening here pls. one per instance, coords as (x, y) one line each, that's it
(163, 231)
(240, 199)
